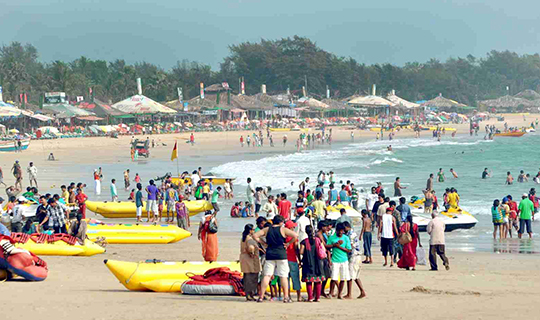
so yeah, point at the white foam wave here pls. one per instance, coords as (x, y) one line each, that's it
(384, 160)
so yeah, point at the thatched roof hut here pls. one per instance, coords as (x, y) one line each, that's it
(528, 94)
(371, 101)
(442, 103)
(509, 103)
(401, 102)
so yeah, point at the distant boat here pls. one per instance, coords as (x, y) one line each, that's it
(510, 134)
(11, 145)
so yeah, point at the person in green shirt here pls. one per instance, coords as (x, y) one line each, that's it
(526, 209)
(354, 196)
(215, 196)
(309, 197)
(440, 175)
(341, 247)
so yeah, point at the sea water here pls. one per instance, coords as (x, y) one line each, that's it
(368, 162)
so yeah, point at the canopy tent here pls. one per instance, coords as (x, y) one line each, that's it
(41, 117)
(11, 111)
(64, 110)
(139, 104)
(5, 104)
(400, 101)
(101, 109)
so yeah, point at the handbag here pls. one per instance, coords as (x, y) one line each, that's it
(404, 238)
(321, 250)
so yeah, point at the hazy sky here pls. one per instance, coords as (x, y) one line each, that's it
(166, 31)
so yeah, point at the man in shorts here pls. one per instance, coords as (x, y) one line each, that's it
(215, 196)
(151, 203)
(355, 258)
(341, 247)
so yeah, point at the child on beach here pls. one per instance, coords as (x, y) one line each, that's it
(139, 202)
(132, 195)
(235, 210)
(366, 235)
(182, 214)
(246, 211)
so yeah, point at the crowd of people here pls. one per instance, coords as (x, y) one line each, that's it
(63, 212)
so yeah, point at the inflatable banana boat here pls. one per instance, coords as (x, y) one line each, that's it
(127, 209)
(215, 180)
(20, 262)
(334, 212)
(161, 276)
(56, 245)
(134, 233)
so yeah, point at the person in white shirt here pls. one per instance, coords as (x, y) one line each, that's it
(371, 199)
(195, 178)
(301, 223)
(270, 208)
(250, 193)
(32, 174)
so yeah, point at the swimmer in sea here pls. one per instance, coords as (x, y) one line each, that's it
(486, 174)
(453, 173)
(509, 178)
(389, 148)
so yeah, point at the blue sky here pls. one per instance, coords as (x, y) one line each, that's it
(166, 31)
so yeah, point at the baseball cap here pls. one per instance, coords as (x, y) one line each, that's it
(22, 199)
(290, 224)
(525, 195)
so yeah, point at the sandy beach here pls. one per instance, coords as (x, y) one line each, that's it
(478, 286)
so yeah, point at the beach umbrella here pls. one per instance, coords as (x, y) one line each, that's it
(13, 131)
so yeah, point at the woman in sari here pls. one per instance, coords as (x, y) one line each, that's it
(312, 266)
(250, 264)
(208, 238)
(408, 259)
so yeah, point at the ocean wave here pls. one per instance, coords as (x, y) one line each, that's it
(384, 160)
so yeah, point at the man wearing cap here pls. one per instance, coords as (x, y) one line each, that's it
(32, 174)
(526, 209)
(17, 219)
(17, 173)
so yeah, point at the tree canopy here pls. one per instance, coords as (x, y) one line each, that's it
(280, 64)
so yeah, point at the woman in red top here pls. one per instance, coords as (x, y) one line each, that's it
(512, 222)
(81, 200)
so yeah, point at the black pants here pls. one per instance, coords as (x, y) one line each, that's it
(61, 229)
(435, 249)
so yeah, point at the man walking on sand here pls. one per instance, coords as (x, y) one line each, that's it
(17, 173)
(435, 229)
(32, 174)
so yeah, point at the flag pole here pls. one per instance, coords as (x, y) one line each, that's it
(177, 164)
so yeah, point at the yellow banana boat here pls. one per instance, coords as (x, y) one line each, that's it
(215, 180)
(160, 276)
(127, 209)
(60, 248)
(135, 233)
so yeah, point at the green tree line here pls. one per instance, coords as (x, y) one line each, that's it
(280, 64)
